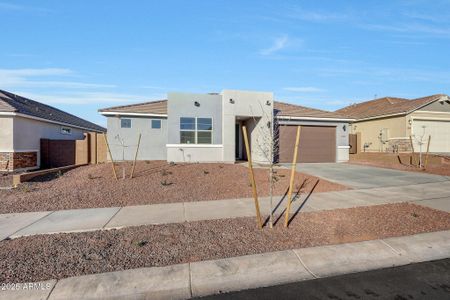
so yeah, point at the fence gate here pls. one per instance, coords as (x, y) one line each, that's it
(353, 142)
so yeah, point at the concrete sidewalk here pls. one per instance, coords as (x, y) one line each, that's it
(434, 195)
(245, 272)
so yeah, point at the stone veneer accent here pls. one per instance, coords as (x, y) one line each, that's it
(17, 160)
(399, 145)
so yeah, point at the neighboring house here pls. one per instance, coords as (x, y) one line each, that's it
(386, 124)
(24, 122)
(208, 128)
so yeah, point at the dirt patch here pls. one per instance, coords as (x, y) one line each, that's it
(439, 165)
(154, 182)
(62, 255)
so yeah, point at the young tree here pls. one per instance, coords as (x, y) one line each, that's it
(267, 144)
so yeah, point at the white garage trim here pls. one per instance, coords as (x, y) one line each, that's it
(434, 112)
(430, 119)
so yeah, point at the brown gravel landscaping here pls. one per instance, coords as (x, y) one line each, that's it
(57, 256)
(439, 165)
(154, 182)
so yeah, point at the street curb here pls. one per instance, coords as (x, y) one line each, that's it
(203, 278)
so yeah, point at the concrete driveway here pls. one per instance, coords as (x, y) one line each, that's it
(362, 177)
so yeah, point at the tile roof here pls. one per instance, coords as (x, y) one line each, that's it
(293, 110)
(386, 106)
(10, 102)
(284, 109)
(153, 107)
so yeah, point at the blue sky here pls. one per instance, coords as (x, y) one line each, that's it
(84, 55)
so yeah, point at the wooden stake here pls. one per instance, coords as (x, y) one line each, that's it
(135, 157)
(412, 149)
(291, 182)
(428, 150)
(110, 155)
(252, 177)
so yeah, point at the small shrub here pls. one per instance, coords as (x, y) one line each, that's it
(58, 174)
(165, 173)
(415, 215)
(205, 172)
(141, 243)
(165, 183)
(25, 187)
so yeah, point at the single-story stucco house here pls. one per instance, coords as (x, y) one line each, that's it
(24, 122)
(208, 128)
(386, 124)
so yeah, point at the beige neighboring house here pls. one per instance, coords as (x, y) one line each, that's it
(24, 122)
(386, 124)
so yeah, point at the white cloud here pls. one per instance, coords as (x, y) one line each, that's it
(413, 28)
(27, 78)
(7, 6)
(317, 16)
(304, 89)
(10, 6)
(34, 72)
(79, 98)
(279, 44)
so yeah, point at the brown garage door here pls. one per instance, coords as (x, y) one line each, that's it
(317, 144)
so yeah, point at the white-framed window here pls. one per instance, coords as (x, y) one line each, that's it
(66, 130)
(155, 124)
(125, 123)
(196, 130)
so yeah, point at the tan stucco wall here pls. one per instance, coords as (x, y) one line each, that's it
(6, 134)
(370, 131)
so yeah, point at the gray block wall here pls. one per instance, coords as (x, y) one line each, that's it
(153, 141)
(183, 105)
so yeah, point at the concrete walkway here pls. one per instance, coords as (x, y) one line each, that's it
(244, 272)
(434, 195)
(362, 177)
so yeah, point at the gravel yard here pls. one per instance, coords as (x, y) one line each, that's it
(439, 165)
(56, 256)
(154, 182)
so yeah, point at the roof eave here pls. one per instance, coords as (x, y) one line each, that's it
(315, 118)
(118, 113)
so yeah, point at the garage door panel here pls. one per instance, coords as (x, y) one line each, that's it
(439, 132)
(317, 144)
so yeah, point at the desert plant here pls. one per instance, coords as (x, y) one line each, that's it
(165, 183)
(205, 172)
(141, 243)
(165, 172)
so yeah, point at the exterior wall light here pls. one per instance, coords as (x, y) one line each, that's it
(344, 128)
(196, 103)
(410, 121)
(268, 102)
(231, 101)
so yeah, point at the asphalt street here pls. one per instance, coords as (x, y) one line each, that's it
(429, 280)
